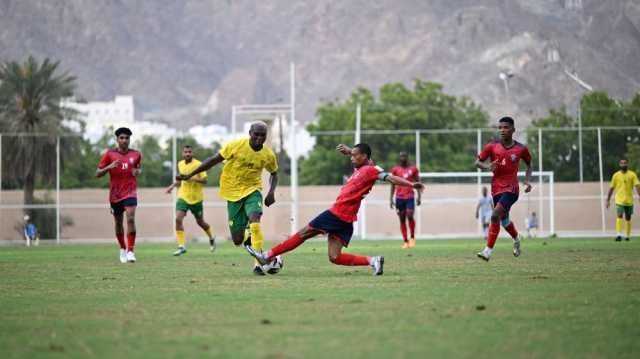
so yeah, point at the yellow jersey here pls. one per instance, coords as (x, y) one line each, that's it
(623, 184)
(190, 191)
(242, 171)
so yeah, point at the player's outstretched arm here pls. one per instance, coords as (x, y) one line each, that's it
(205, 165)
(399, 181)
(344, 149)
(271, 195)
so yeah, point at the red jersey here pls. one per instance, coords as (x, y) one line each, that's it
(354, 191)
(122, 184)
(505, 175)
(411, 174)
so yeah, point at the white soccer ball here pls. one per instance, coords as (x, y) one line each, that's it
(275, 266)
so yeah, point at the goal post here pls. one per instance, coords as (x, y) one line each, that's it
(460, 191)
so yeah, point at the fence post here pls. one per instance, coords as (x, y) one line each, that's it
(418, 159)
(580, 143)
(602, 212)
(540, 182)
(552, 200)
(0, 169)
(362, 213)
(58, 190)
(174, 172)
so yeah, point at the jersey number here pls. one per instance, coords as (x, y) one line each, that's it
(125, 165)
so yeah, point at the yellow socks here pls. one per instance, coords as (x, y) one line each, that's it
(209, 232)
(180, 238)
(628, 229)
(619, 226)
(257, 240)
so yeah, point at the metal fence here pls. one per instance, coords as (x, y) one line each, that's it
(581, 161)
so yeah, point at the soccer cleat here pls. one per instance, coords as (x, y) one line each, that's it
(123, 256)
(484, 255)
(257, 270)
(212, 244)
(627, 239)
(377, 263)
(516, 247)
(405, 245)
(131, 258)
(412, 242)
(181, 250)
(259, 256)
(618, 238)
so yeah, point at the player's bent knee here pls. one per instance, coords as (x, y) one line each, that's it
(333, 258)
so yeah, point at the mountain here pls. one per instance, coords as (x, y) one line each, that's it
(186, 62)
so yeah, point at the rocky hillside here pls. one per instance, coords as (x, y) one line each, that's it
(186, 62)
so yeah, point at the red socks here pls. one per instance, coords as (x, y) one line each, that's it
(511, 228)
(412, 228)
(120, 237)
(494, 230)
(131, 241)
(285, 246)
(403, 230)
(346, 259)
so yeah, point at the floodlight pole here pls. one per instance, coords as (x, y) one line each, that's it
(580, 143)
(362, 217)
(174, 172)
(294, 153)
(540, 191)
(0, 168)
(233, 120)
(418, 209)
(602, 214)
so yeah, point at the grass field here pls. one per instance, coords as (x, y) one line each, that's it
(570, 298)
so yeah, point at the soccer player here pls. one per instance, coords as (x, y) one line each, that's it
(504, 157)
(123, 165)
(337, 222)
(190, 197)
(241, 183)
(484, 210)
(30, 231)
(532, 225)
(405, 202)
(622, 183)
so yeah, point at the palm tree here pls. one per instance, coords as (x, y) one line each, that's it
(31, 117)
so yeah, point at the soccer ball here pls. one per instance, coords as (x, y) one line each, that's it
(275, 266)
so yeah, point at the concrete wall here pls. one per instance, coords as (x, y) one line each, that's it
(448, 209)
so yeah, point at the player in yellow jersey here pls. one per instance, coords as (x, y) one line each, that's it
(241, 184)
(190, 197)
(623, 183)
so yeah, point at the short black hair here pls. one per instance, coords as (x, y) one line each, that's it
(123, 130)
(508, 120)
(187, 146)
(364, 148)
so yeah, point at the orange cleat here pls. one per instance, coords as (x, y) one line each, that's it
(405, 245)
(412, 242)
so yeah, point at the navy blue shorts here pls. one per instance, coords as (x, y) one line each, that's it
(118, 207)
(328, 223)
(405, 204)
(505, 199)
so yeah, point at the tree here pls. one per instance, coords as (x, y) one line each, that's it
(425, 106)
(31, 112)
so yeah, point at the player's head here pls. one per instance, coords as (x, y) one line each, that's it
(258, 133)
(506, 127)
(485, 191)
(123, 136)
(624, 164)
(187, 152)
(403, 158)
(26, 218)
(533, 214)
(360, 155)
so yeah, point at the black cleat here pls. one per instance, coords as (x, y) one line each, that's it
(257, 270)
(618, 239)
(627, 239)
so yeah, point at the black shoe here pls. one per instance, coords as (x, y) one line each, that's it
(257, 270)
(618, 239)
(627, 239)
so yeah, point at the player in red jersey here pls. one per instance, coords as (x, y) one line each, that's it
(123, 166)
(337, 222)
(504, 158)
(405, 202)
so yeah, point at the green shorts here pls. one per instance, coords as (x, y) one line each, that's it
(624, 210)
(240, 211)
(196, 208)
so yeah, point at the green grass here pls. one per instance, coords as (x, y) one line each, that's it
(570, 298)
